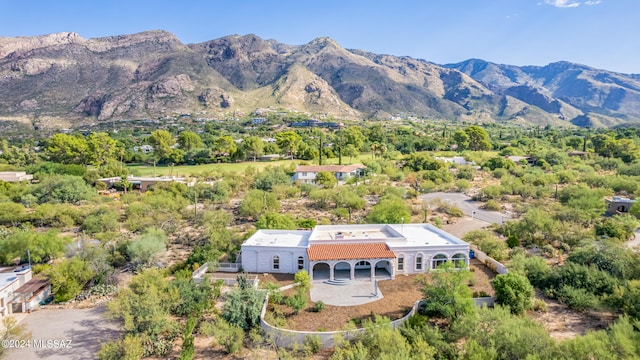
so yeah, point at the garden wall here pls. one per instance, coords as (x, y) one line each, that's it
(287, 338)
(492, 264)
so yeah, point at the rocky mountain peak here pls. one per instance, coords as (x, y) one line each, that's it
(26, 43)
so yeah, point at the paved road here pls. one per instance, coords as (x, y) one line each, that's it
(469, 207)
(86, 328)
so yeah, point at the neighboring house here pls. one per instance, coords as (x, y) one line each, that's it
(19, 292)
(458, 160)
(315, 123)
(307, 173)
(15, 176)
(371, 251)
(618, 205)
(143, 183)
(143, 148)
(521, 159)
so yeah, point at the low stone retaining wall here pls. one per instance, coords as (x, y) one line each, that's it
(287, 338)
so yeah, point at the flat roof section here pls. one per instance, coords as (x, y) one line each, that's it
(347, 233)
(349, 251)
(287, 238)
(421, 235)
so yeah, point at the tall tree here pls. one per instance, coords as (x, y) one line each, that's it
(102, 149)
(478, 138)
(67, 149)
(188, 140)
(288, 141)
(162, 143)
(225, 146)
(253, 146)
(462, 139)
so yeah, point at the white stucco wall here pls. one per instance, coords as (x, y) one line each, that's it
(428, 253)
(260, 259)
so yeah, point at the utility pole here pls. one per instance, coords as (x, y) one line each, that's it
(320, 150)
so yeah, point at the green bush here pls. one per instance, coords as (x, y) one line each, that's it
(318, 306)
(576, 299)
(492, 205)
(312, 344)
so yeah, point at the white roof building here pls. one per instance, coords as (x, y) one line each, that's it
(15, 176)
(353, 251)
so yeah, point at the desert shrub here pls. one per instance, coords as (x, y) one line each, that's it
(312, 344)
(463, 184)
(576, 299)
(492, 205)
(318, 306)
(539, 305)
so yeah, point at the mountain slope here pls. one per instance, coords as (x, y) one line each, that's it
(571, 90)
(64, 80)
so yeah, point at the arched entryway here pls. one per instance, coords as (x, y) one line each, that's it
(363, 269)
(383, 269)
(342, 270)
(321, 271)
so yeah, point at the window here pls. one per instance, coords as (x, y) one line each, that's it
(419, 262)
(400, 264)
(438, 260)
(300, 263)
(459, 261)
(304, 174)
(276, 262)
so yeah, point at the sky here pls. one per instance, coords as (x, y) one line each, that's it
(599, 33)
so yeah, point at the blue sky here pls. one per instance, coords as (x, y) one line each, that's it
(598, 33)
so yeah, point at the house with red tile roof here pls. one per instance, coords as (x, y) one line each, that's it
(307, 173)
(363, 251)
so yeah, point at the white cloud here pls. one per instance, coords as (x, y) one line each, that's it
(563, 3)
(571, 3)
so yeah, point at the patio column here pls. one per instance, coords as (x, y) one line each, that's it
(331, 269)
(352, 271)
(392, 265)
(372, 271)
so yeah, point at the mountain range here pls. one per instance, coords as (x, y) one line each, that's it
(64, 80)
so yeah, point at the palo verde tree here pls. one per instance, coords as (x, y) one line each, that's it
(448, 295)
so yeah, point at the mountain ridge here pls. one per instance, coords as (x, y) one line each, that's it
(65, 80)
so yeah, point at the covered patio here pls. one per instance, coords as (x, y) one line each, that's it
(351, 262)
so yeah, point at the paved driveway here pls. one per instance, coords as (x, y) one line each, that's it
(86, 328)
(469, 207)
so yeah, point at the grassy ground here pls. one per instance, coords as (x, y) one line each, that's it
(190, 170)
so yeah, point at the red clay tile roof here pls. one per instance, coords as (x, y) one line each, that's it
(349, 251)
(329, 168)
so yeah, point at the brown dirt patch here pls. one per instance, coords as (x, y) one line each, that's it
(399, 296)
(564, 323)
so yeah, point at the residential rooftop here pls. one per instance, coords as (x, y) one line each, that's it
(394, 235)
